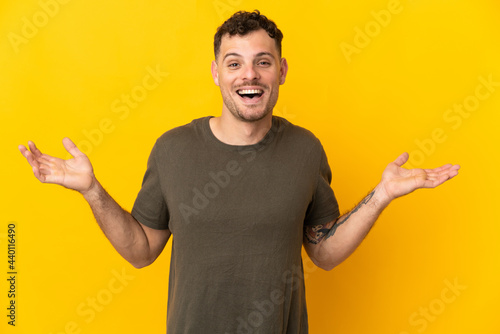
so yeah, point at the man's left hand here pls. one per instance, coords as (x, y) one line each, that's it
(398, 181)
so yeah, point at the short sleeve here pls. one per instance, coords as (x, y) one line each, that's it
(150, 207)
(323, 207)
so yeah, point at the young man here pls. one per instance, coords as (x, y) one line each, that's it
(240, 193)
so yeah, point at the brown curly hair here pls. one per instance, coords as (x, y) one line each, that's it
(242, 23)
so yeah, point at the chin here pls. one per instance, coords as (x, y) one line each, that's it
(252, 116)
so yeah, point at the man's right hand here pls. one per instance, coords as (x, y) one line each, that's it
(137, 243)
(76, 173)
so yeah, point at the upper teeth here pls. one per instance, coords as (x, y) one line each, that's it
(250, 91)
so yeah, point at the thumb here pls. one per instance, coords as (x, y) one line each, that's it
(402, 159)
(71, 148)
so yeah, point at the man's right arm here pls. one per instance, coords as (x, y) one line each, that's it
(137, 243)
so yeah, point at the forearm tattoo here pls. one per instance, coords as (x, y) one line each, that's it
(314, 234)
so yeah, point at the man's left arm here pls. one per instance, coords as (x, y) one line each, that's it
(329, 244)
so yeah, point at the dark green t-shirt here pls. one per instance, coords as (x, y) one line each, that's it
(237, 215)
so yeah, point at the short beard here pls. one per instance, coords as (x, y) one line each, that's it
(250, 119)
(231, 106)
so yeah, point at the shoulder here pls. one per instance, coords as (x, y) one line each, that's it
(181, 136)
(297, 134)
(302, 144)
(183, 132)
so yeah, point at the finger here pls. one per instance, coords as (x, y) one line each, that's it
(31, 158)
(434, 182)
(447, 167)
(433, 174)
(46, 166)
(47, 160)
(438, 179)
(36, 152)
(45, 171)
(438, 169)
(451, 171)
(39, 175)
(402, 159)
(71, 148)
(22, 149)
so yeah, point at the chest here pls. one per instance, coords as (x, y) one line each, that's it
(260, 192)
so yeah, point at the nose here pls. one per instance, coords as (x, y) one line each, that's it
(250, 72)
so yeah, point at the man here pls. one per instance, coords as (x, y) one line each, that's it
(240, 193)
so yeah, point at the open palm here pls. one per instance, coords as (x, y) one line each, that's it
(76, 173)
(399, 181)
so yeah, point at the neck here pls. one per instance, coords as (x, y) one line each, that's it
(233, 131)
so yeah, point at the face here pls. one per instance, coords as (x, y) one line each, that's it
(249, 71)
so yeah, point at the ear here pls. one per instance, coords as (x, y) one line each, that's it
(283, 70)
(215, 74)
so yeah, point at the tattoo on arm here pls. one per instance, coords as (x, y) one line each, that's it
(314, 234)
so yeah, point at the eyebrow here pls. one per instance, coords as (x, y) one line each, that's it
(260, 54)
(231, 54)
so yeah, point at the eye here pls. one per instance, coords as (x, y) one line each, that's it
(233, 65)
(264, 63)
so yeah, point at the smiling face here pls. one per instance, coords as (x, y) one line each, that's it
(249, 71)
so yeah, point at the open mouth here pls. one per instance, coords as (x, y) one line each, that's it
(250, 93)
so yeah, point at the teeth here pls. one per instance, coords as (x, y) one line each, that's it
(250, 91)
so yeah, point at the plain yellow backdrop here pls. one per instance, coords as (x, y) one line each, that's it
(370, 78)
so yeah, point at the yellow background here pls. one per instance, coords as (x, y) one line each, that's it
(388, 97)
